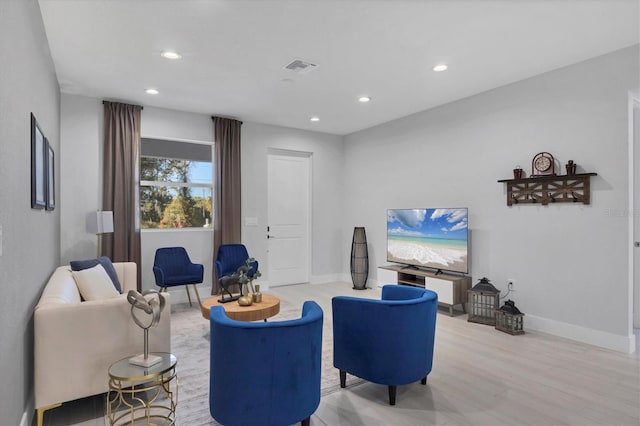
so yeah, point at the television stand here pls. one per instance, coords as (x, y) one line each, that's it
(451, 289)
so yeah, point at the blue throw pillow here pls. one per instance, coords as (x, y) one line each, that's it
(79, 265)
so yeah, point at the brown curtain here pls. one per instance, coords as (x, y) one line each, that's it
(121, 182)
(226, 205)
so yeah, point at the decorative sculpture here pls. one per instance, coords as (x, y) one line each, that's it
(152, 303)
(225, 283)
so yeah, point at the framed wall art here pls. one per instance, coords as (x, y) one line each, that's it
(38, 166)
(51, 176)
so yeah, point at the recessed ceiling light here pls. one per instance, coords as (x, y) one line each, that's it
(364, 99)
(314, 119)
(151, 91)
(169, 54)
(439, 68)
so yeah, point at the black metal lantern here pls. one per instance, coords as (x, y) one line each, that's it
(483, 302)
(509, 318)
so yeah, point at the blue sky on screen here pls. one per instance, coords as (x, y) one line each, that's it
(432, 223)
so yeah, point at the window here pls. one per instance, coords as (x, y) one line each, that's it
(176, 184)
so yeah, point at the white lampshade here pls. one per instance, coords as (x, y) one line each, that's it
(100, 222)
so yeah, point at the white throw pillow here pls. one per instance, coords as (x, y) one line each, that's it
(94, 283)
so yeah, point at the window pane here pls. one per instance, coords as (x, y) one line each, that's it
(175, 207)
(173, 170)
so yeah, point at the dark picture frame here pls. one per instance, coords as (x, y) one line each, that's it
(51, 176)
(38, 166)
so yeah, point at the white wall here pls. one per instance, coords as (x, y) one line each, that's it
(82, 134)
(327, 194)
(568, 261)
(30, 248)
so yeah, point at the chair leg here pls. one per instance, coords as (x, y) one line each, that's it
(424, 380)
(305, 422)
(40, 413)
(343, 378)
(186, 287)
(197, 294)
(392, 395)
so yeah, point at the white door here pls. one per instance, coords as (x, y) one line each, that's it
(288, 199)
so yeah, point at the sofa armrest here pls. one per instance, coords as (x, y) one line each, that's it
(76, 343)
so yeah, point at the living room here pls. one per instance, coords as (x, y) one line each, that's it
(570, 262)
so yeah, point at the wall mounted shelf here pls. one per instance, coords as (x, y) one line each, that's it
(549, 189)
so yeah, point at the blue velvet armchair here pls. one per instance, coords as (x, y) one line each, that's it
(265, 373)
(388, 341)
(229, 258)
(173, 267)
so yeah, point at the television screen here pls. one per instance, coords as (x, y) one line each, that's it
(432, 238)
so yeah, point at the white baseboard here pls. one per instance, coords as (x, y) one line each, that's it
(29, 411)
(625, 344)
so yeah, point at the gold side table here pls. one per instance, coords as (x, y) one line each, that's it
(140, 393)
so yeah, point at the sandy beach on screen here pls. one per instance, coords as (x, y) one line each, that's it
(429, 256)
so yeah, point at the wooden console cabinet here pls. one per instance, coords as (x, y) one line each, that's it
(451, 288)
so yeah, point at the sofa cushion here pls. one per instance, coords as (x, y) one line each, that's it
(94, 283)
(79, 265)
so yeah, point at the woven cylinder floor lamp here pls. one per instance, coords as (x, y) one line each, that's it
(359, 259)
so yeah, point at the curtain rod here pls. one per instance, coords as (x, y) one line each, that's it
(112, 102)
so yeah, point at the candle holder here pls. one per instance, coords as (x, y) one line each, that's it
(571, 167)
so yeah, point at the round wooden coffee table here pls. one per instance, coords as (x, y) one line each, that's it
(269, 307)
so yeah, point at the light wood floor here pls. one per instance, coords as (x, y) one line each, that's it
(480, 376)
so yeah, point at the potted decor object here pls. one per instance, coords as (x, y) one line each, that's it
(246, 282)
(359, 259)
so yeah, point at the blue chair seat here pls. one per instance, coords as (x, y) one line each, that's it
(182, 280)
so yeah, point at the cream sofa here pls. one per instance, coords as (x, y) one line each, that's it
(76, 341)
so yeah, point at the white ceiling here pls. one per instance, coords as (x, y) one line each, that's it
(234, 52)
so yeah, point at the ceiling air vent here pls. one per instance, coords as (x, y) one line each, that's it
(300, 66)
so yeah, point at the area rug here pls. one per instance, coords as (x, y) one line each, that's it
(190, 344)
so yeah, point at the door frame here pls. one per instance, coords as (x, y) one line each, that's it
(309, 156)
(634, 217)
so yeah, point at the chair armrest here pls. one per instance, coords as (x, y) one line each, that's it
(254, 268)
(218, 266)
(196, 269)
(159, 274)
(401, 292)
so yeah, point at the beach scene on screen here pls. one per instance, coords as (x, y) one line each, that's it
(434, 238)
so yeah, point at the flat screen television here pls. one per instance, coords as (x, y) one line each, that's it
(429, 238)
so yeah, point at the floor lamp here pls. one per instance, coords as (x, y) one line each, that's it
(100, 222)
